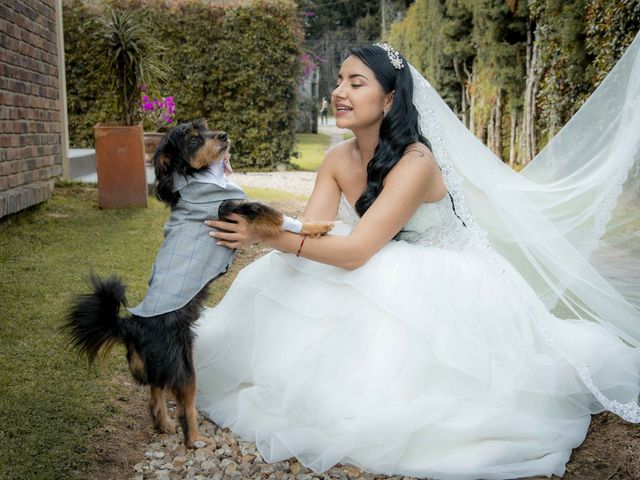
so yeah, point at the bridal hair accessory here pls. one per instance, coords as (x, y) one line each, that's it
(392, 53)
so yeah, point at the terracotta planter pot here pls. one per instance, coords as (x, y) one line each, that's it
(122, 180)
(151, 141)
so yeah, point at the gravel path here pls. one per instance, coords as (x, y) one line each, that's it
(226, 457)
(295, 182)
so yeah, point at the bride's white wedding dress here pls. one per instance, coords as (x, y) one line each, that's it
(477, 345)
(427, 361)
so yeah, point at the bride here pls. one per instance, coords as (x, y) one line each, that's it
(464, 321)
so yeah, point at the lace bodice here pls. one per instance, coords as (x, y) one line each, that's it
(433, 224)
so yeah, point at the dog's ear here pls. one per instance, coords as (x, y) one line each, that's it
(164, 166)
(201, 124)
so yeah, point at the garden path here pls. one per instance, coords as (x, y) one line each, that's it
(336, 133)
(300, 183)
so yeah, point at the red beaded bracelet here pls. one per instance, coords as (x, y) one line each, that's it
(304, 237)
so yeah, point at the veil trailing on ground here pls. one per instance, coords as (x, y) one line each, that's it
(570, 221)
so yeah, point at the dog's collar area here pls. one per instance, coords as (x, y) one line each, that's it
(214, 173)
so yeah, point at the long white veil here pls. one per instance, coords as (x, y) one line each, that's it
(570, 221)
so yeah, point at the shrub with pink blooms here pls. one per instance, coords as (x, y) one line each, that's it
(237, 64)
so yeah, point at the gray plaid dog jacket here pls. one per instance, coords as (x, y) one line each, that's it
(188, 258)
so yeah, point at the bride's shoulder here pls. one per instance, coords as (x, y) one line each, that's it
(419, 150)
(338, 152)
(417, 156)
(341, 148)
(417, 167)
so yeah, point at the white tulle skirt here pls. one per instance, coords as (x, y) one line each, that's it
(419, 363)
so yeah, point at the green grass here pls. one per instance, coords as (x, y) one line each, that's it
(311, 148)
(50, 401)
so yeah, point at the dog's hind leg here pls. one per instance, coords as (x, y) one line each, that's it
(187, 415)
(159, 413)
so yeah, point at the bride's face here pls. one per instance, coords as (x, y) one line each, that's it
(358, 100)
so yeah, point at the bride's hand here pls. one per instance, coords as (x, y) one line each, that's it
(237, 232)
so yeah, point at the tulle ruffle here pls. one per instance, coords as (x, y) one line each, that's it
(419, 363)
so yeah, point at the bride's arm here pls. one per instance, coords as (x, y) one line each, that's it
(405, 188)
(325, 198)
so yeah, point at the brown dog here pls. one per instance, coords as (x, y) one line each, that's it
(159, 334)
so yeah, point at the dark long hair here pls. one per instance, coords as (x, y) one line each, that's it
(399, 127)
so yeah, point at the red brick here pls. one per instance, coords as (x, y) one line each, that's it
(14, 180)
(9, 154)
(8, 14)
(8, 127)
(28, 164)
(10, 29)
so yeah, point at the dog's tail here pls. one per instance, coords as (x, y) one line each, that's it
(94, 323)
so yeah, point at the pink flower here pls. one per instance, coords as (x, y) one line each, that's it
(157, 112)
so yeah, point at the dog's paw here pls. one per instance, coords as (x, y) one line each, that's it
(316, 229)
(166, 426)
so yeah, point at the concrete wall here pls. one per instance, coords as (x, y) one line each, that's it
(30, 111)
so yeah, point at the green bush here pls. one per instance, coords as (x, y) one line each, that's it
(87, 76)
(235, 65)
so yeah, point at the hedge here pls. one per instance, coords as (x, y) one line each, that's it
(237, 65)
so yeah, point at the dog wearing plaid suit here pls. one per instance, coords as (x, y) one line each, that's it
(189, 164)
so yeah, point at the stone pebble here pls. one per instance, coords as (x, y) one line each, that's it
(225, 456)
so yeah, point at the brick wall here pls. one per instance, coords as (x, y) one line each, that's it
(30, 121)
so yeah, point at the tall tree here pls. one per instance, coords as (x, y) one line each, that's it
(515, 71)
(434, 36)
(563, 61)
(457, 27)
(610, 27)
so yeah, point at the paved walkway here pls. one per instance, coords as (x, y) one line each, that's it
(300, 183)
(336, 134)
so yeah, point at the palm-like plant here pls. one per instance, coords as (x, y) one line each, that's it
(134, 59)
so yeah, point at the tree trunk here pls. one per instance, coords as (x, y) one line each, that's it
(512, 137)
(470, 100)
(532, 110)
(491, 141)
(498, 125)
(527, 145)
(464, 113)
